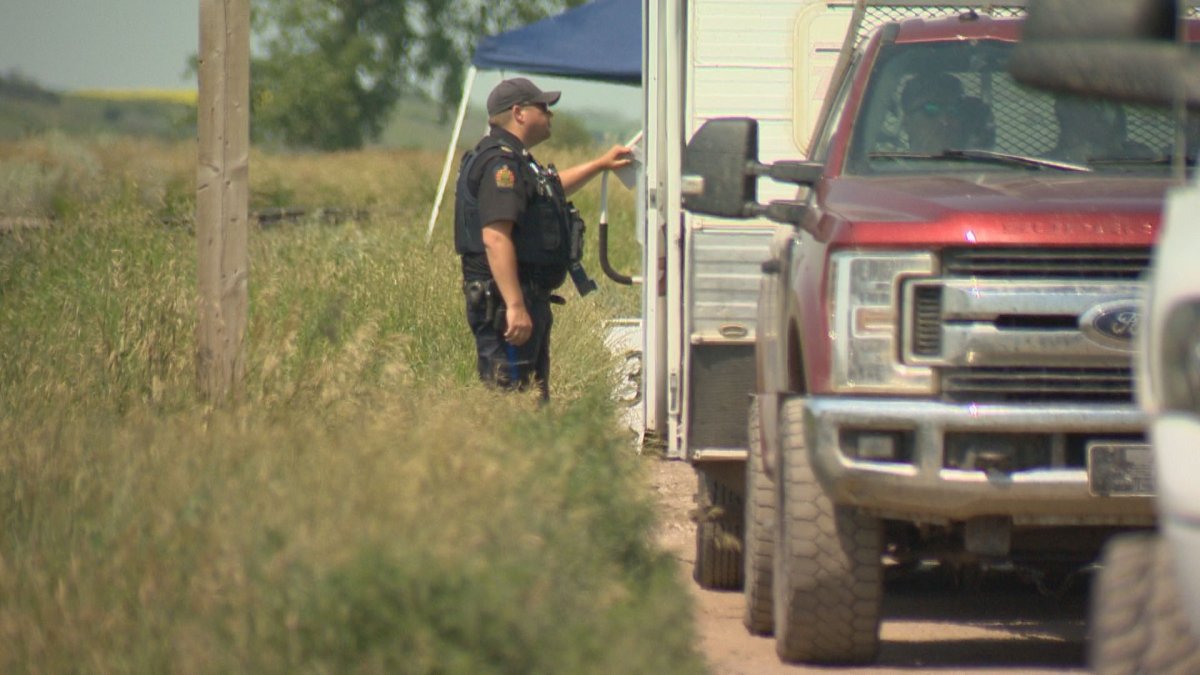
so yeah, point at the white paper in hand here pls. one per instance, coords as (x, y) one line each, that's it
(628, 174)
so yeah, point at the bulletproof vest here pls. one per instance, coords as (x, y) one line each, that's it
(542, 233)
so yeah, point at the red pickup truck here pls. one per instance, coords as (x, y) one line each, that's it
(945, 329)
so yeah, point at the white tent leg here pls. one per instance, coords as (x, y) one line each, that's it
(441, 191)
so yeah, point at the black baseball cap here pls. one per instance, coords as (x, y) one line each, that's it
(518, 90)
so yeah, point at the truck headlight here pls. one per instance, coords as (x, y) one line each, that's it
(1179, 359)
(864, 303)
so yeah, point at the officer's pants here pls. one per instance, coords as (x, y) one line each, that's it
(509, 366)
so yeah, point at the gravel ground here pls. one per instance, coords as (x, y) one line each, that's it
(1005, 626)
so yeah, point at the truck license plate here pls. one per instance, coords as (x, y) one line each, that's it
(1120, 469)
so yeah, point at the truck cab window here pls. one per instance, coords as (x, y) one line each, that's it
(933, 108)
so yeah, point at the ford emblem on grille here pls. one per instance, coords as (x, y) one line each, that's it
(1112, 324)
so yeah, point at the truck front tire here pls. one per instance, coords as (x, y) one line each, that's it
(1137, 624)
(759, 535)
(828, 572)
(718, 529)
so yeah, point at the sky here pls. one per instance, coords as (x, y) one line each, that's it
(84, 44)
(131, 44)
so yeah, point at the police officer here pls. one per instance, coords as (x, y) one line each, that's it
(512, 227)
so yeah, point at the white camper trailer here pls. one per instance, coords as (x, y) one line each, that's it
(771, 60)
(767, 59)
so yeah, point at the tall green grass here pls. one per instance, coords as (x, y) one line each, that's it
(366, 506)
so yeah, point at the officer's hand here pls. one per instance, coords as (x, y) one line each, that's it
(616, 157)
(520, 325)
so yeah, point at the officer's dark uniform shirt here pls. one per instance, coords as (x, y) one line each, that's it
(502, 193)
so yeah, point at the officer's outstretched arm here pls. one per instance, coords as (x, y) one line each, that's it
(577, 176)
(502, 258)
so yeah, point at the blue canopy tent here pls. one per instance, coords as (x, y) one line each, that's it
(599, 41)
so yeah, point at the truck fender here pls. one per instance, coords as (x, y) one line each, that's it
(772, 343)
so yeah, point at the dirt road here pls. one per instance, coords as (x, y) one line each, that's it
(1003, 627)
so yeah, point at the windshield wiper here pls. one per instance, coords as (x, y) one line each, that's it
(985, 156)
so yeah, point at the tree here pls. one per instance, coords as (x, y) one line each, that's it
(328, 72)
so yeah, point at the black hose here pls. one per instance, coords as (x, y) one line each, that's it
(611, 273)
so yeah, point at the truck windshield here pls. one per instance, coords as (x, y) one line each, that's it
(937, 107)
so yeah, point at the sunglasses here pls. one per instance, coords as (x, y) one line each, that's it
(935, 109)
(540, 106)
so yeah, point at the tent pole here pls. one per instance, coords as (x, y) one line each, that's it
(441, 190)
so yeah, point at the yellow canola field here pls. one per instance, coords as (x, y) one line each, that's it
(181, 96)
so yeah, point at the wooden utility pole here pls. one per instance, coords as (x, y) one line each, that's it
(222, 195)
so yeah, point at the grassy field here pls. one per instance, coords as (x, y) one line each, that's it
(366, 507)
(27, 109)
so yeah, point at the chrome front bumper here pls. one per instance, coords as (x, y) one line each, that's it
(925, 490)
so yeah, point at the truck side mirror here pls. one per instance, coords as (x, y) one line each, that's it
(716, 179)
(721, 169)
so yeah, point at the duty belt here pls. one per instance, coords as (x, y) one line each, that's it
(488, 289)
(535, 292)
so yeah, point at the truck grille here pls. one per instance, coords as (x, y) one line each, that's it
(1095, 264)
(1004, 325)
(1113, 385)
(927, 338)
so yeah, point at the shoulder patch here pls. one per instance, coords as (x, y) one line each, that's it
(505, 179)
